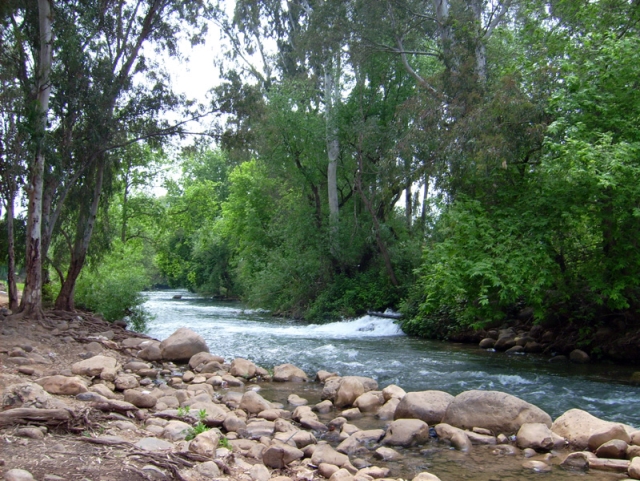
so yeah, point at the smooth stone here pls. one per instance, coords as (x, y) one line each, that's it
(154, 444)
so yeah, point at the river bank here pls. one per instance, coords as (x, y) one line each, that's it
(99, 433)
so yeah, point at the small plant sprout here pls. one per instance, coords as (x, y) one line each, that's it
(202, 415)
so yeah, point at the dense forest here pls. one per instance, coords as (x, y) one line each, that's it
(460, 160)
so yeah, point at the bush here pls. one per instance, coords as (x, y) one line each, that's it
(113, 288)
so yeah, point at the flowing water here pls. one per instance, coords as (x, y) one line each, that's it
(377, 348)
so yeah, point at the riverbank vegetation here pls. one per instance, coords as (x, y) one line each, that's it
(462, 161)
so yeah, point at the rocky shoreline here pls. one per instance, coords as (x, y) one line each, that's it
(84, 399)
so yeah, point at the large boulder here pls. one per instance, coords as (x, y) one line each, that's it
(68, 386)
(406, 432)
(583, 430)
(289, 372)
(242, 368)
(182, 345)
(497, 411)
(428, 406)
(93, 366)
(253, 403)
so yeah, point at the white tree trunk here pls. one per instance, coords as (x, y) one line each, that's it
(332, 100)
(32, 294)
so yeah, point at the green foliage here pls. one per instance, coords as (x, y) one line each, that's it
(113, 288)
(192, 432)
(224, 443)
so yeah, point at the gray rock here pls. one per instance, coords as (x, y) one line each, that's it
(141, 399)
(69, 386)
(93, 366)
(278, 456)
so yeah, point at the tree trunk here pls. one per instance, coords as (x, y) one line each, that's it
(11, 256)
(32, 294)
(332, 99)
(65, 300)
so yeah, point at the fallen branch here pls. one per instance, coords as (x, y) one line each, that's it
(35, 416)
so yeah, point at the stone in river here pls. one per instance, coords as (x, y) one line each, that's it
(497, 411)
(182, 345)
(288, 372)
(406, 432)
(429, 406)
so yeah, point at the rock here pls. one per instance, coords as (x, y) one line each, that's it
(208, 469)
(175, 430)
(182, 345)
(342, 475)
(456, 436)
(504, 343)
(322, 376)
(93, 366)
(537, 466)
(109, 374)
(614, 449)
(154, 444)
(323, 407)
(406, 432)
(353, 413)
(279, 456)
(330, 388)
(68, 386)
(256, 429)
(32, 433)
(103, 391)
(429, 406)
(349, 390)
(289, 372)
(493, 410)
(126, 381)
(634, 468)
(259, 472)
(205, 443)
(536, 436)
(188, 376)
(253, 403)
(387, 454)
(242, 368)
(483, 439)
(151, 351)
(296, 400)
(579, 356)
(141, 399)
(18, 475)
(388, 410)
(515, 350)
(578, 460)
(354, 442)
(132, 342)
(558, 359)
(273, 414)
(425, 477)
(376, 472)
(90, 397)
(393, 392)
(324, 453)
(369, 402)
(583, 430)
(233, 423)
(327, 470)
(204, 357)
(487, 343)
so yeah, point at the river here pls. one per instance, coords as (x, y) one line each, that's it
(377, 348)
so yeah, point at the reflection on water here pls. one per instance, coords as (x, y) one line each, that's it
(377, 348)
